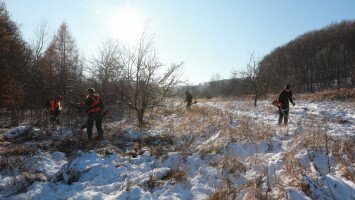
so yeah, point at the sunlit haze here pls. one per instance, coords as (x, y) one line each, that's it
(210, 37)
(125, 24)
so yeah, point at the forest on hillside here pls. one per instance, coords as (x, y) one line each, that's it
(314, 61)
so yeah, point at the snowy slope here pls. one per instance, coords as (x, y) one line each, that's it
(218, 149)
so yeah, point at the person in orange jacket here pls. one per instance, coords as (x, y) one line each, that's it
(55, 108)
(94, 107)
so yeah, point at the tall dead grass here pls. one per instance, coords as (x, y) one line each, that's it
(330, 95)
(314, 140)
(249, 132)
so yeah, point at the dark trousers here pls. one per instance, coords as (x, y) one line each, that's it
(283, 114)
(54, 118)
(97, 118)
(188, 105)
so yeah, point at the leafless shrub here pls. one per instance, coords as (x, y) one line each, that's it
(153, 182)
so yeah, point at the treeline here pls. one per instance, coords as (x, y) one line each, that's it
(31, 73)
(51, 66)
(317, 60)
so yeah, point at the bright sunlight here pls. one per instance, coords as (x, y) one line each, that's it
(125, 25)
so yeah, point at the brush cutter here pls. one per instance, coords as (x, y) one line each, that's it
(277, 103)
(283, 112)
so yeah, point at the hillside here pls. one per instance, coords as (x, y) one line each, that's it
(316, 60)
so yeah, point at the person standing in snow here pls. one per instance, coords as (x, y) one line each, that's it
(284, 97)
(188, 100)
(55, 108)
(94, 107)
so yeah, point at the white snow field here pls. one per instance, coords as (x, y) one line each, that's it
(216, 150)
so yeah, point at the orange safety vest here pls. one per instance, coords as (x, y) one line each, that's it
(54, 105)
(95, 105)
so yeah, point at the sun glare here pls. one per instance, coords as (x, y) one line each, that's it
(125, 25)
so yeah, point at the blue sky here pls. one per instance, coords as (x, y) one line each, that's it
(210, 36)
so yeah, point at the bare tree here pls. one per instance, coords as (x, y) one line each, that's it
(41, 40)
(107, 64)
(146, 83)
(215, 85)
(254, 79)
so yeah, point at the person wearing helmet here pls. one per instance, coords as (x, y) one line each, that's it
(94, 107)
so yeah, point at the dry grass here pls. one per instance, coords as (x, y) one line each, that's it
(330, 95)
(9, 164)
(253, 188)
(189, 124)
(225, 192)
(314, 140)
(17, 150)
(292, 167)
(211, 149)
(343, 151)
(249, 132)
(33, 177)
(233, 165)
(176, 174)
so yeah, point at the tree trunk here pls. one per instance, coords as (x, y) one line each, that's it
(255, 100)
(140, 114)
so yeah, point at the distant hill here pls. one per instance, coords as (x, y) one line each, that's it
(316, 60)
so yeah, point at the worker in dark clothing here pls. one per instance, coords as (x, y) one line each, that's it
(94, 107)
(284, 97)
(188, 100)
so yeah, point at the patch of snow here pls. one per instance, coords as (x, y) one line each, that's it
(17, 132)
(296, 194)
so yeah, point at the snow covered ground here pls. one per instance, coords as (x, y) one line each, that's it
(218, 149)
